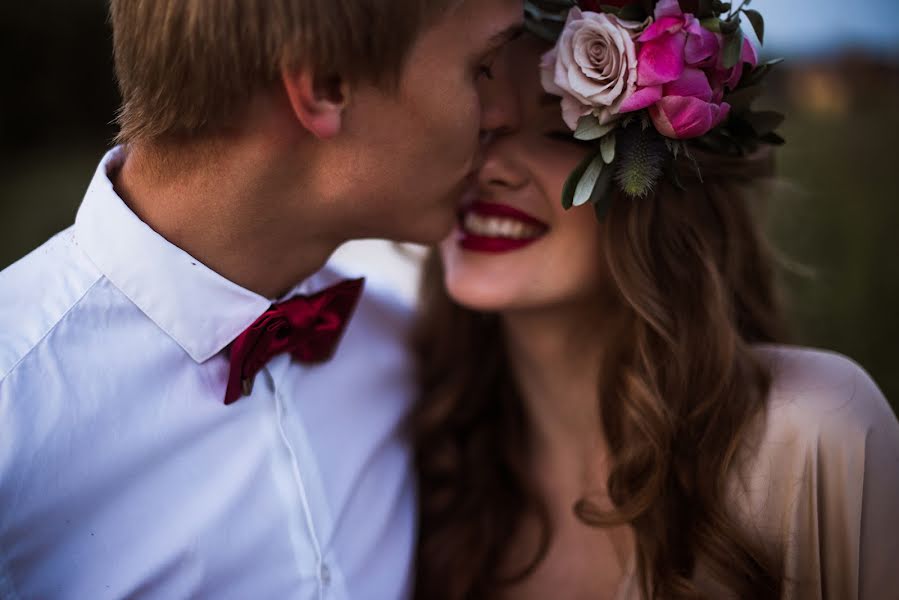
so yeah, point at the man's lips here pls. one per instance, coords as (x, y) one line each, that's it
(490, 227)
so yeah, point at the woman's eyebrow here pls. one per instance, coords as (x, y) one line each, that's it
(500, 39)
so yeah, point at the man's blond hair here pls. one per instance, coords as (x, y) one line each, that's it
(186, 67)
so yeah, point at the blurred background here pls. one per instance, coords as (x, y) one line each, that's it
(836, 216)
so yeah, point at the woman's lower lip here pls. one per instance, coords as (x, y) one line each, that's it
(479, 243)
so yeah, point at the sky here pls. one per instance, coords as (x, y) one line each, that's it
(825, 25)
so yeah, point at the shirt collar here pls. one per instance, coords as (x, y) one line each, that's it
(198, 308)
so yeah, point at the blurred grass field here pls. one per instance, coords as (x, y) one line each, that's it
(839, 217)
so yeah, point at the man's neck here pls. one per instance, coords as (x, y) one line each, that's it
(236, 211)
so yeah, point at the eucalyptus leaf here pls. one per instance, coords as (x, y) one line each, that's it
(607, 148)
(601, 198)
(733, 48)
(573, 180)
(588, 128)
(758, 23)
(585, 186)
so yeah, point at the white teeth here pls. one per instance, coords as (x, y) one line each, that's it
(498, 227)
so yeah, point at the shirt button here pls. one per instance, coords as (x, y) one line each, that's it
(325, 574)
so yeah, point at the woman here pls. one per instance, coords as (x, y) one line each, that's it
(607, 411)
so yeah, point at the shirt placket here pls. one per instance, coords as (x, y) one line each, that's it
(315, 512)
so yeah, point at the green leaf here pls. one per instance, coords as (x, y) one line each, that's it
(765, 121)
(713, 24)
(758, 23)
(704, 8)
(758, 73)
(574, 179)
(731, 25)
(607, 148)
(548, 32)
(601, 198)
(733, 48)
(773, 139)
(612, 10)
(634, 12)
(585, 186)
(741, 99)
(674, 147)
(588, 128)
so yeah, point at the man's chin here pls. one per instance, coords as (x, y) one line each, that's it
(430, 232)
(424, 228)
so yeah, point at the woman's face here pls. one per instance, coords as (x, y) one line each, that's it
(515, 247)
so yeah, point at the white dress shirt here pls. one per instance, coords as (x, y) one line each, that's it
(122, 472)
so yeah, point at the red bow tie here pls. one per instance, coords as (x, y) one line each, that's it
(308, 327)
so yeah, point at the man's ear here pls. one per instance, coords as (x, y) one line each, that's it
(318, 103)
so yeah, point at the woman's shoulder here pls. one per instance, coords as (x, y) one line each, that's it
(820, 396)
(822, 481)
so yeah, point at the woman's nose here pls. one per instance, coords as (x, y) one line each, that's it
(499, 168)
(500, 111)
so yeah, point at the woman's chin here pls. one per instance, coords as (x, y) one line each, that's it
(483, 296)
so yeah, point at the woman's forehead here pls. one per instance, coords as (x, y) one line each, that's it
(524, 56)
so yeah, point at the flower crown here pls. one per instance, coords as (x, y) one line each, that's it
(643, 81)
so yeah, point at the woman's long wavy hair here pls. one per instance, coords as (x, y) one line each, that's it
(693, 280)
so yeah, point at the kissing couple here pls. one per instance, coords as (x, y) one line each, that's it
(593, 396)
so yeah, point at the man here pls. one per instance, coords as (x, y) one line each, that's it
(170, 424)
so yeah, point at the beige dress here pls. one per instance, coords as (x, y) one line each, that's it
(819, 483)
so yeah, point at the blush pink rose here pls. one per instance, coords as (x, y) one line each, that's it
(593, 66)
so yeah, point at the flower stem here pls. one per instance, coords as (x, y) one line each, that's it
(736, 12)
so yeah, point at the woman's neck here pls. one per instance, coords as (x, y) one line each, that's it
(555, 356)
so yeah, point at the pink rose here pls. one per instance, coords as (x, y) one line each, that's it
(593, 66)
(676, 55)
(687, 108)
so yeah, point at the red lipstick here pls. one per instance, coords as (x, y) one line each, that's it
(490, 227)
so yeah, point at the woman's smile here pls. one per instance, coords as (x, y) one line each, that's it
(494, 227)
